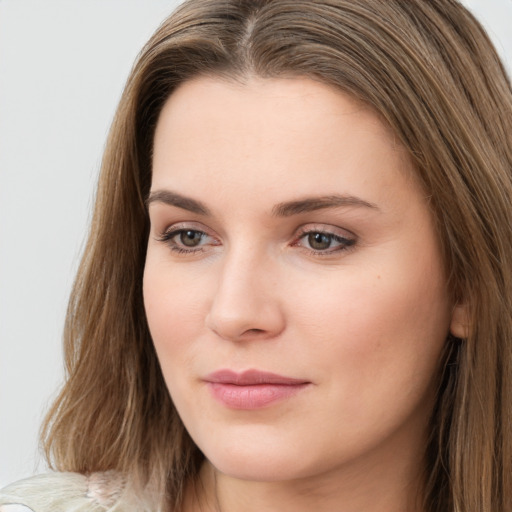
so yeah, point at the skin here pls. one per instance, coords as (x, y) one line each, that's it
(362, 317)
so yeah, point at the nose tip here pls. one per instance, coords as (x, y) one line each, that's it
(245, 307)
(243, 322)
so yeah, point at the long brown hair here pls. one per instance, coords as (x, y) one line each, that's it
(430, 71)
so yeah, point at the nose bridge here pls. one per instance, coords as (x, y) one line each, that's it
(246, 302)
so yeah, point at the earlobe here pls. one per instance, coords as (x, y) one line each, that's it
(460, 323)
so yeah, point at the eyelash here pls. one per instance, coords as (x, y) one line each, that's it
(168, 236)
(345, 243)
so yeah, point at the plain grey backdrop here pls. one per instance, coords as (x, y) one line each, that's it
(63, 64)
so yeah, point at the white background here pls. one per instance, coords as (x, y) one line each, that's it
(63, 64)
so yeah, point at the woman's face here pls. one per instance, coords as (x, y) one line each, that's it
(293, 286)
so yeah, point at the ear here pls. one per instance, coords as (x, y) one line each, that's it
(460, 325)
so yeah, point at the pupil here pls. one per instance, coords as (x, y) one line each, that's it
(319, 241)
(190, 238)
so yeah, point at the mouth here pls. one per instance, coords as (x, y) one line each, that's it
(252, 389)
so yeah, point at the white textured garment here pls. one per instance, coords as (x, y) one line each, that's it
(71, 492)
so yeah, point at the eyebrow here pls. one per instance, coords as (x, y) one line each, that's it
(173, 199)
(285, 209)
(310, 204)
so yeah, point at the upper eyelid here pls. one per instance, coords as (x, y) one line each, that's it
(184, 225)
(327, 229)
(172, 231)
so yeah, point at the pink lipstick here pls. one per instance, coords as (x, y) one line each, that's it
(252, 389)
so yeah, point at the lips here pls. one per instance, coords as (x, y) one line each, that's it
(252, 389)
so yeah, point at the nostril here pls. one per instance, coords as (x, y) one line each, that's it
(253, 334)
(254, 331)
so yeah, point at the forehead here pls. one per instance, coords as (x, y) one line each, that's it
(268, 136)
(258, 102)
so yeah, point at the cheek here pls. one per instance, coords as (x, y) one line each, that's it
(379, 330)
(175, 310)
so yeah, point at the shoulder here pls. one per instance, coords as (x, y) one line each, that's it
(65, 492)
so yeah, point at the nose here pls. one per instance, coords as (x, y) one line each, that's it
(246, 301)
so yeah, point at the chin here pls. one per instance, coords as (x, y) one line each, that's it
(258, 462)
(257, 468)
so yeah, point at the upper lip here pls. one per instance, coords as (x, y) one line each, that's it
(251, 378)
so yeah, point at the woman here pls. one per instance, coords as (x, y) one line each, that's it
(296, 290)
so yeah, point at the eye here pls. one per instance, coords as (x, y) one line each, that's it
(186, 240)
(320, 241)
(190, 237)
(324, 242)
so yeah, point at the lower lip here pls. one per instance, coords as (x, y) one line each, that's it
(254, 396)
